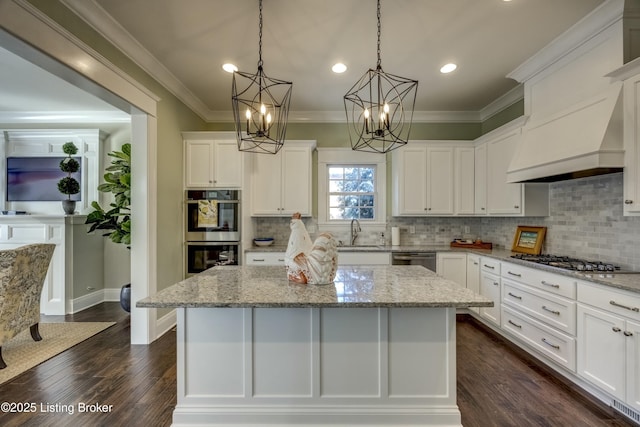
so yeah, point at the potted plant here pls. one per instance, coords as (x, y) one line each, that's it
(69, 185)
(115, 222)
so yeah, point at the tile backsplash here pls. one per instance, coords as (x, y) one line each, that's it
(585, 221)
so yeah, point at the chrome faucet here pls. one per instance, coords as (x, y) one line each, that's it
(355, 228)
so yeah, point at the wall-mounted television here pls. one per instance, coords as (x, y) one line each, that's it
(31, 179)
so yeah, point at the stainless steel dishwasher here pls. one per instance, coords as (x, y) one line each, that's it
(425, 259)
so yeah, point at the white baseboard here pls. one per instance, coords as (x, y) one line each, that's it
(166, 323)
(94, 298)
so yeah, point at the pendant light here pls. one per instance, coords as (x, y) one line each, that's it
(260, 108)
(379, 109)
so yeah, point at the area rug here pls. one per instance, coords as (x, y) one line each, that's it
(22, 353)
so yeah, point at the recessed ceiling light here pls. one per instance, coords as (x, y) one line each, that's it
(229, 68)
(339, 68)
(447, 68)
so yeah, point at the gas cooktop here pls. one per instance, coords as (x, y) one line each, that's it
(573, 264)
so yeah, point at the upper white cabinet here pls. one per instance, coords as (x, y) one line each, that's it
(480, 181)
(212, 159)
(281, 183)
(631, 138)
(502, 197)
(433, 178)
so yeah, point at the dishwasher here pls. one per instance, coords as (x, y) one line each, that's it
(425, 259)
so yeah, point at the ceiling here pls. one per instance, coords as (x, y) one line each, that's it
(184, 43)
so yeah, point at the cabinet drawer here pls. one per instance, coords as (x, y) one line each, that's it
(555, 345)
(490, 265)
(616, 301)
(265, 258)
(550, 309)
(550, 282)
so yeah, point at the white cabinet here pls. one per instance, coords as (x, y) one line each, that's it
(464, 180)
(480, 181)
(452, 266)
(281, 183)
(264, 258)
(490, 288)
(504, 198)
(632, 146)
(609, 341)
(433, 178)
(473, 276)
(211, 159)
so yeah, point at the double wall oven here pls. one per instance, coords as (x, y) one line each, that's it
(212, 234)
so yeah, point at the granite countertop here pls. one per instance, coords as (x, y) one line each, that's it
(625, 281)
(354, 286)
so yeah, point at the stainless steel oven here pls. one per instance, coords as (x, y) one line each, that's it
(204, 255)
(223, 227)
(212, 229)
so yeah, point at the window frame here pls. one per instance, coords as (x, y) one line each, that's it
(346, 157)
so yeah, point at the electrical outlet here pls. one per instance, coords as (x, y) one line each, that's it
(412, 229)
(467, 229)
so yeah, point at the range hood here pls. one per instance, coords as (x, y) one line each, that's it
(583, 140)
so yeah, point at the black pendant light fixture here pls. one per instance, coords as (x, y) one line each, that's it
(260, 108)
(379, 109)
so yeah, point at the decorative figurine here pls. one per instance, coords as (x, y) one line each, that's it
(314, 263)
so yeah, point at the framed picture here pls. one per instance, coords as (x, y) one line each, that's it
(528, 240)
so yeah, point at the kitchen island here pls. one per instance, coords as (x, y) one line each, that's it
(376, 347)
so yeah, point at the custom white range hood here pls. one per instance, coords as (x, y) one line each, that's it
(574, 109)
(584, 140)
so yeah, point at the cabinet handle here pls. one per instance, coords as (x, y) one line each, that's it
(557, 347)
(481, 209)
(628, 334)
(516, 207)
(475, 263)
(280, 259)
(628, 202)
(515, 324)
(489, 266)
(550, 284)
(496, 284)
(636, 309)
(514, 274)
(258, 260)
(616, 329)
(515, 296)
(557, 313)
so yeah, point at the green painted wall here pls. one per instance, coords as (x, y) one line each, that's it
(512, 112)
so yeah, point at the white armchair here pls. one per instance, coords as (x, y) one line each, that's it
(22, 274)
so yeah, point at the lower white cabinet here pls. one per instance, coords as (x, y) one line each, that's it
(452, 266)
(473, 276)
(609, 341)
(264, 258)
(490, 288)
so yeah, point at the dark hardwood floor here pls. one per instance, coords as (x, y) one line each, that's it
(498, 384)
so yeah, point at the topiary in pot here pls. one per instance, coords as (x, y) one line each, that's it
(115, 222)
(69, 185)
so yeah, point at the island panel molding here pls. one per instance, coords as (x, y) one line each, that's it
(313, 366)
